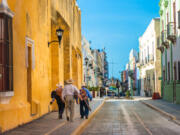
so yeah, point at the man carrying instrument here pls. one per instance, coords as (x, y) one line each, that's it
(84, 103)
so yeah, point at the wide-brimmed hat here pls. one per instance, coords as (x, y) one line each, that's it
(70, 81)
(83, 84)
(58, 85)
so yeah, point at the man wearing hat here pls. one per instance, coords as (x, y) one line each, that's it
(68, 95)
(84, 103)
(57, 95)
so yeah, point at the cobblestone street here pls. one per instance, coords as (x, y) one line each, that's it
(121, 117)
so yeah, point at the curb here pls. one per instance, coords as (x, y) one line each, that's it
(162, 112)
(83, 125)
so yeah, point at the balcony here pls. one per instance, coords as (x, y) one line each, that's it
(171, 32)
(164, 40)
(159, 46)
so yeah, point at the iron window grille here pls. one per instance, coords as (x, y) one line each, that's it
(164, 41)
(171, 32)
(6, 53)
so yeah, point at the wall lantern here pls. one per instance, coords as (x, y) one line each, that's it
(59, 33)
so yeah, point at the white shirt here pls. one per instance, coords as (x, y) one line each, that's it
(69, 90)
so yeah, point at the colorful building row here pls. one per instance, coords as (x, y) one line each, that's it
(130, 76)
(170, 47)
(159, 58)
(145, 65)
(95, 65)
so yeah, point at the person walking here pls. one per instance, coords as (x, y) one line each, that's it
(68, 94)
(101, 92)
(57, 95)
(118, 86)
(84, 102)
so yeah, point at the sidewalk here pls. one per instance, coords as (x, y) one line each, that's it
(50, 124)
(169, 109)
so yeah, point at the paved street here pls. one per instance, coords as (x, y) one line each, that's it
(173, 109)
(123, 117)
(51, 125)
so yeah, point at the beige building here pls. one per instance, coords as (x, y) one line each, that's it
(150, 59)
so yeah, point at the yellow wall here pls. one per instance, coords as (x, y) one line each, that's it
(38, 20)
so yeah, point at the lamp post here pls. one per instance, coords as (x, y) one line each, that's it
(59, 33)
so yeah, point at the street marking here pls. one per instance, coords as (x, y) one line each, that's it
(128, 119)
(142, 123)
(51, 131)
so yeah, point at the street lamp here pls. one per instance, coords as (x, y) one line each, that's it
(59, 33)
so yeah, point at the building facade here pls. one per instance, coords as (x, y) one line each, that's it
(150, 61)
(132, 67)
(88, 64)
(170, 47)
(105, 71)
(29, 68)
(124, 80)
(98, 67)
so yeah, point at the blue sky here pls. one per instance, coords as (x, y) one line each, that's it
(116, 25)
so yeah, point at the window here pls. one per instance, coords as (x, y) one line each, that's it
(175, 71)
(167, 18)
(6, 53)
(162, 25)
(164, 75)
(174, 16)
(179, 70)
(179, 19)
(168, 71)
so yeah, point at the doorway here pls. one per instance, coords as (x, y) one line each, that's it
(29, 78)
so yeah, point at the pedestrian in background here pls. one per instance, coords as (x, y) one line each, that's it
(84, 102)
(57, 95)
(118, 86)
(101, 92)
(68, 94)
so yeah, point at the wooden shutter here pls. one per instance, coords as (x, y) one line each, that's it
(174, 15)
(168, 71)
(179, 70)
(179, 19)
(1, 53)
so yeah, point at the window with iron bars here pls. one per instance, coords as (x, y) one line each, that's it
(6, 54)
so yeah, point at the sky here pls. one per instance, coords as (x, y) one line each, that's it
(117, 26)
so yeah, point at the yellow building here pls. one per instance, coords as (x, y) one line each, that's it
(33, 68)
